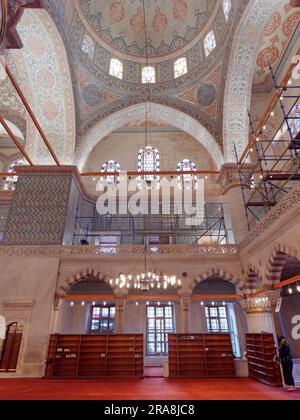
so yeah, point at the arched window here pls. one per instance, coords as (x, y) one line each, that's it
(88, 46)
(116, 68)
(187, 181)
(111, 166)
(180, 67)
(148, 161)
(210, 43)
(148, 75)
(226, 8)
(11, 181)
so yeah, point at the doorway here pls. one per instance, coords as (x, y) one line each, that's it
(11, 348)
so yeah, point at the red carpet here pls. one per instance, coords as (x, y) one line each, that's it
(150, 389)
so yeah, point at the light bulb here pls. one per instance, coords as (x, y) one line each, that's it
(290, 291)
(82, 303)
(94, 303)
(72, 303)
(179, 282)
(104, 303)
(130, 277)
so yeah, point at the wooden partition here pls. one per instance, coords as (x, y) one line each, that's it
(120, 355)
(261, 354)
(201, 355)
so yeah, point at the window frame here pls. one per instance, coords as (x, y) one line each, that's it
(146, 80)
(113, 164)
(163, 331)
(181, 178)
(102, 318)
(121, 69)
(186, 67)
(209, 319)
(142, 180)
(207, 50)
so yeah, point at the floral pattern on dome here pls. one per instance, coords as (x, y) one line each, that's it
(170, 24)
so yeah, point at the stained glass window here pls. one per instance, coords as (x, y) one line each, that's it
(210, 43)
(148, 161)
(187, 181)
(180, 67)
(88, 46)
(111, 166)
(148, 75)
(226, 8)
(116, 68)
(102, 319)
(160, 323)
(10, 182)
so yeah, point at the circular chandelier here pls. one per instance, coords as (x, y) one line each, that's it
(149, 280)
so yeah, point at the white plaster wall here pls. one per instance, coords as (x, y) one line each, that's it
(29, 279)
(173, 148)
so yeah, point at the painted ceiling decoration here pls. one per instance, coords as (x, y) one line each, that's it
(99, 94)
(280, 36)
(170, 24)
(11, 13)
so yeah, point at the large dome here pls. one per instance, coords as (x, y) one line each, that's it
(170, 24)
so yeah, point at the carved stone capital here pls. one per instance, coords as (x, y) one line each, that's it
(186, 300)
(120, 303)
(256, 305)
(273, 296)
(230, 176)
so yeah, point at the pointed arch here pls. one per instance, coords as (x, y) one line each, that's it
(277, 261)
(157, 112)
(237, 97)
(43, 72)
(239, 283)
(66, 283)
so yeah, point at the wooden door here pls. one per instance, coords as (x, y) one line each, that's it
(11, 348)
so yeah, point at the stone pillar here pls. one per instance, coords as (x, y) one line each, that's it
(120, 304)
(185, 300)
(259, 316)
(231, 183)
(43, 211)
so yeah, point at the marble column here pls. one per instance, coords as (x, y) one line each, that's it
(273, 296)
(231, 183)
(185, 301)
(259, 316)
(120, 304)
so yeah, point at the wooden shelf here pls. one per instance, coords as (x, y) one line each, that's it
(92, 356)
(200, 355)
(261, 352)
